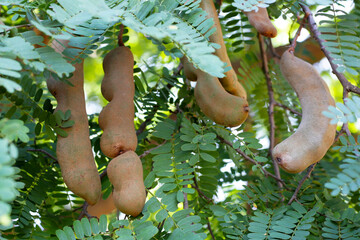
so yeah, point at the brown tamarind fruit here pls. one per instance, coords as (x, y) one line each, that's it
(45, 37)
(315, 134)
(74, 152)
(222, 100)
(216, 103)
(117, 118)
(220, 106)
(261, 22)
(125, 172)
(102, 207)
(230, 82)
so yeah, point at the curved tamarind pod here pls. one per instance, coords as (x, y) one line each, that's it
(230, 81)
(117, 118)
(125, 172)
(261, 22)
(189, 70)
(315, 134)
(102, 207)
(74, 152)
(220, 106)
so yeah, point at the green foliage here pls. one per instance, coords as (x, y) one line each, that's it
(8, 185)
(340, 30)
(282, 223)
(347, 180)
(84, 229)
(237, 28)
(345, 112)
(344, 227)
(251, 5)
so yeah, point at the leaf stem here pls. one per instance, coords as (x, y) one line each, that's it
(301, 182)
(270, 107)
(316, 34)
(253, 161)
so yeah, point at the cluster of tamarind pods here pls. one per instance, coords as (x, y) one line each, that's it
(118, 141)
(223, 100)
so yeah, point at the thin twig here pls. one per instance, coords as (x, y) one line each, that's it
(202, 195)
(306, 176)
(120, 36)
(271, 107)
(293, 44)
(147, 152)
(287, 108)
(186, 200)
(210, 230)
(18, 26)
(142, 127)
(316, 34)
(273, 52)
(44, 152)
(253, 161)
(84, 212)
(103, 174)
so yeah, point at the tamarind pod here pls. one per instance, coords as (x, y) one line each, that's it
(230, 81)
(315, 134)
(117, 118)
(261, 22)
(219, 105)
(125, 172)
(102, 207)
(46, 38)
(118, 71)
(74, 152)
(189, 70)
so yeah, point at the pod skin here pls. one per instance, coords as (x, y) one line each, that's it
(102, 207)
(315, 134)
(230, 81)
(261, 22)
(117, 118)
(74, 152)
(216, 103)
(125, 172)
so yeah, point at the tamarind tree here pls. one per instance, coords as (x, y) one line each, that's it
(203, 180)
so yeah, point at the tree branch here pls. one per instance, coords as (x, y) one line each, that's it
(186, 200)
(210, 230)
(270, 108)
(142, 127)
(44, 152)
(316, 34)
(301, 182)
(287, 108)
(293, 44)
(202, 195)
(120, 36)
(253, 161)
(144, 154)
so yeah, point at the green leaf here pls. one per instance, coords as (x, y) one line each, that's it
(69, 232)
(180, 196)
(94, 226)
(86, 226)
(102, 223)
(188, 147)
(14, 130)
(149, 180)
(207, 157)
(161, 215)
(61, 132)
(78, 229)
(61, 235)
